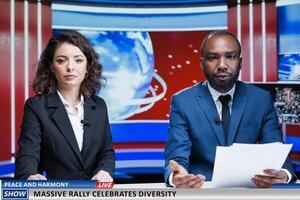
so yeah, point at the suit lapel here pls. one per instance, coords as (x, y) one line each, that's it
(90, 116)
(61, 119)
(209, 108)
(238, 106)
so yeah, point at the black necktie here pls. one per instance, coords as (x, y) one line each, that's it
(225, 112)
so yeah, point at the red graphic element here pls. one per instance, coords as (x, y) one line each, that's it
(177, 62)
(105, 185)
(293, 130)
(137, 145)
(5, 87)
(6, 148)
(271, 43)
(257, 43)
(245, 43)
(271, 38)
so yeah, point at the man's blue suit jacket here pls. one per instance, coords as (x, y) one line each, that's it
(195, 131)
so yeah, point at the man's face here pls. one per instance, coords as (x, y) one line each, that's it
(221, 62)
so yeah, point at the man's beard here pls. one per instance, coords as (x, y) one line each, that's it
(222, 86)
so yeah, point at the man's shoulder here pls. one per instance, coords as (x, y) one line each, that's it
(189, 91)
(252, 89)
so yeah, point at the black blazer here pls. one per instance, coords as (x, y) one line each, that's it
(47, 141)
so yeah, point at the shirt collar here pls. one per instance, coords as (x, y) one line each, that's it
(215, 94)
(66, 104)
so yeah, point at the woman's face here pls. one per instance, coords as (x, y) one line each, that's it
(69, 67)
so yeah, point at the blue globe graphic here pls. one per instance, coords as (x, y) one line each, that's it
(128, 65)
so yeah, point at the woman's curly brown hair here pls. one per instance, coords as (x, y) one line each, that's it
(45, 81)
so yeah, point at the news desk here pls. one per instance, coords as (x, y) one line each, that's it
(207, 184)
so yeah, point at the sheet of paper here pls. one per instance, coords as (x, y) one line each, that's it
(237, 164)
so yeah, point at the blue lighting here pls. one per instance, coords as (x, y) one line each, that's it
(295, 141)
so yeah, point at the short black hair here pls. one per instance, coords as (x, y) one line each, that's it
(219, 33)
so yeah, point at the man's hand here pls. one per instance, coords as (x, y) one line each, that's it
(102, 176)
(272, 176)
(182, 179)
(36, 177)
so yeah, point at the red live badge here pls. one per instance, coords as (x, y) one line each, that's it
(106, 185)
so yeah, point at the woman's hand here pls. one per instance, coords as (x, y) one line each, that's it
(36, 177)
(102, 176)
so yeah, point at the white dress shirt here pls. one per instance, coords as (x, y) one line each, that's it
(75, 118)
(216, 94)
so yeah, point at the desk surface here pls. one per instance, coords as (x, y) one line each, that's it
(207, 184)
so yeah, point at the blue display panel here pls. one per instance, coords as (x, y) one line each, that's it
(143, 3)
(289, 37)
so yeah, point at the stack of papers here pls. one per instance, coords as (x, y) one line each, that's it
(237, 164)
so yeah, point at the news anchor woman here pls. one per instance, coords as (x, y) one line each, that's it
(65, 132)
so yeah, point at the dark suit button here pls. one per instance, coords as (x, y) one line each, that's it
(81, 174)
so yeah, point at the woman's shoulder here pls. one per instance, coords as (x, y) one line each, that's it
(35, 99)
(36, 103)
(97, 100)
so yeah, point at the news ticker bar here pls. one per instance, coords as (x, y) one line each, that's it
(180, 194)
(61, 189)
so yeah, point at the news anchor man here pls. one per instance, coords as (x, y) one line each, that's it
(219, 112)
(65, 130)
